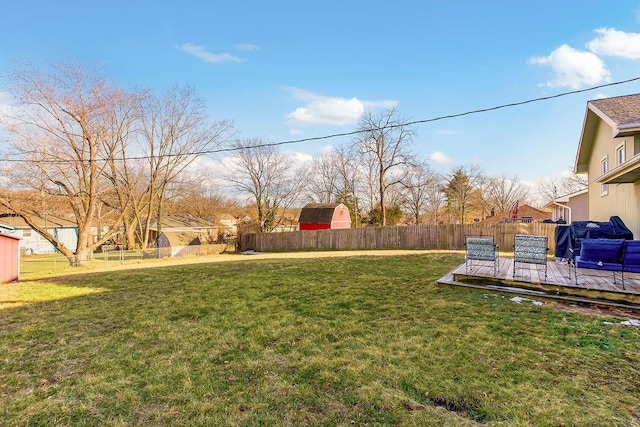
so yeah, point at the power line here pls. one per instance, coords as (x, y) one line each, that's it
(358, 131)
(435, 119)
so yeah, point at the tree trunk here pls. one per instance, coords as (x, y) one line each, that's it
(383, 209)
(80, 258)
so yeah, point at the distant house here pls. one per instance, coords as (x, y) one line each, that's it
(228, 221)
(32, 242)
(318, 216)
(205, 230)
(571, 207)
(521, 213)
(609, 152)
(228, 226)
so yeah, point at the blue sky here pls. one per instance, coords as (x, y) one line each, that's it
(293, 69)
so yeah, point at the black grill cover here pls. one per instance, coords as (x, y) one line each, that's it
(569, 237)
(563, 234)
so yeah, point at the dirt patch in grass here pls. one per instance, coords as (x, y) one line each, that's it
(595, 310)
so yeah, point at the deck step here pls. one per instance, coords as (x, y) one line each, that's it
(593, 286)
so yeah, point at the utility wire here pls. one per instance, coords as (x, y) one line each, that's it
(435, 119)
(359, 131)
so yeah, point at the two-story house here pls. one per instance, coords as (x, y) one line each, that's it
(609, 152)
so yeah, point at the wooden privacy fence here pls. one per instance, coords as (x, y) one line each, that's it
(444, 237)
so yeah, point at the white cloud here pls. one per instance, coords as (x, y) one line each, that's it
(295, 132)
(529, 184)
(329, 148)
(299, 157)
(439, 157)
(247, 47)
(333, 111)
(203, 54)
(616, 43)
(320, 109)
(573, 68)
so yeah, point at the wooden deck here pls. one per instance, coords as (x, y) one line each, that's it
(593, 286)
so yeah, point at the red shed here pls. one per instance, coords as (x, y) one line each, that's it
(319, 216)
(9, 258)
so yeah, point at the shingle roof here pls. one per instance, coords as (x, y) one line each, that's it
(16, 221)
(317, 213)
(179, 239)
(620, 109)
(622, 113)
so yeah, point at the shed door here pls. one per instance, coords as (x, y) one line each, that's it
(8, 259)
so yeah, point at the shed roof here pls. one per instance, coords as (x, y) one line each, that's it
(9, 236)
(318, 213)
(181, 238)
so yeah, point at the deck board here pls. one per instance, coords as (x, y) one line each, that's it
(561, 279)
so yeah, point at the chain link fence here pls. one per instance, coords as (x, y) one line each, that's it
(115, 256)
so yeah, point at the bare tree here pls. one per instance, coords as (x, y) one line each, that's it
(63, 131)
(436, 202)
(335, 178)
(573, 182)
(550, 189)
(267, 176)
(197, 196)
(385, 138)
(503, 192)
(368, 181)
(126, 180)
(350, 177)
(419, 183)
(74, 142)
(323, 179)
(176, 131)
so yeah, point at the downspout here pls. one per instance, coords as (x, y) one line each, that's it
(568, 220)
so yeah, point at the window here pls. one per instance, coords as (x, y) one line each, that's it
(604, 168)
(636, 144)
(26, 232)
(620, 155)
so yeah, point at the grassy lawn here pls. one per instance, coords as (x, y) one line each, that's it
(366, 340)
(36, 266)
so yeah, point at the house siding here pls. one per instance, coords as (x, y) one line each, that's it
(37, 244)
(622, 200)
(579, 207)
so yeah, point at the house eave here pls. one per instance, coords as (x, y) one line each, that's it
(628, 172)
(587, 137)
(627, 130)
